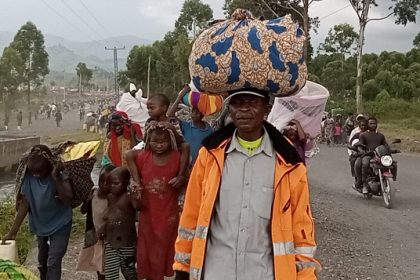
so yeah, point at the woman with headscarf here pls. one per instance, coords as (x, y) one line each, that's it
(122, 136)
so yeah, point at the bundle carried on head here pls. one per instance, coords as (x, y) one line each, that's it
(244, 52)
(207, 104)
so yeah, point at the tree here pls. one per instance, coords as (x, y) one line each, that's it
(341, 39)
(29, 43)
(370, 89)
(11, 73)
(194, 16)
(181, 51)
(84, 74)
(404, 12)
(416, 41)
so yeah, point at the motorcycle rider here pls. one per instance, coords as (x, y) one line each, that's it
(370, 139)
(353, 155)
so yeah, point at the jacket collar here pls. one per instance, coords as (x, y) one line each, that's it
(287, 152)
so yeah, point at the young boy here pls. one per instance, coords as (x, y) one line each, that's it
(120, 230)
(194, 131)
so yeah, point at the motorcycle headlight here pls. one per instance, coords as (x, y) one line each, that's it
(386, 161)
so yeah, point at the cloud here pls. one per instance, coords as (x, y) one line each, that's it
(163, 13)
(379, 35)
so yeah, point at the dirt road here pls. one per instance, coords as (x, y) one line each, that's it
(43, 127)
(358, 238)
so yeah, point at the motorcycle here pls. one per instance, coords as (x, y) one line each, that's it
(382, 169)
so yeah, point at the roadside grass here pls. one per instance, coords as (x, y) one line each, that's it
(408, 130)
(25, 239)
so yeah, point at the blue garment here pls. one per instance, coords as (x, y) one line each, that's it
(47, 213)
(194, 136)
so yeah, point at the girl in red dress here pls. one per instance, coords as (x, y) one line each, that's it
(153, 174)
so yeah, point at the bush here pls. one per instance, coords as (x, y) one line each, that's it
(389, 108)
(24, 238)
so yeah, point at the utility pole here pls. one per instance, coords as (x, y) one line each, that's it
(64, 84)
(148, 78)
(116, 87)
(80, 84)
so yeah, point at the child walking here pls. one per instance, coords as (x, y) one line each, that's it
(92, 257)
(157, 198)
(119, 230)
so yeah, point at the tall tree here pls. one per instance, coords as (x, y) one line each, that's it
(29, 43)
(11, 73)
(194, 17)
(416, 41)
(404, 12)
(341, 39)
(84, 74)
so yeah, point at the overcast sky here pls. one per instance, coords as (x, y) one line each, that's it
(86, 20)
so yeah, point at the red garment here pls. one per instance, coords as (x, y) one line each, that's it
(159, 217)
(129, 128)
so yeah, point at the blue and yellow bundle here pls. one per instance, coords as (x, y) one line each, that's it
(244, 52)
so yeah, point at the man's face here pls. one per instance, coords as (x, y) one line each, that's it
(248, 112)
(372, 125)
(363, 126)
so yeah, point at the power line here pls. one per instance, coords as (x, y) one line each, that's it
(81, 18)
(70, 23)
(62, 17)
(97, 21)
(333, 13)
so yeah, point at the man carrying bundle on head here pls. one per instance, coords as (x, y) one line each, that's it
(248, 181)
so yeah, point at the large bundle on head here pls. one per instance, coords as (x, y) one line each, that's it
(244, 52)
(307, 107)
(207, 104)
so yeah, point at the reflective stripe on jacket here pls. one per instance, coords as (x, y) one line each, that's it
(292, 226)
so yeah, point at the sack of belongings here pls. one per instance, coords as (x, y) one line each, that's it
(244, 52)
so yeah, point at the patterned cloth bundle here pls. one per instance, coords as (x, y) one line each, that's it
(244, 52)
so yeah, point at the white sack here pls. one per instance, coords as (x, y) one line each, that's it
(307, 107)
(135, 108)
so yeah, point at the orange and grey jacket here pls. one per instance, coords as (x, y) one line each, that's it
(292, 227)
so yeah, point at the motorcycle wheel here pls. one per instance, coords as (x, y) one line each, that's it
(387, 193)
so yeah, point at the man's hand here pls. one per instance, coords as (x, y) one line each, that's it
(177, 182)
(58, 168)
(9, 236)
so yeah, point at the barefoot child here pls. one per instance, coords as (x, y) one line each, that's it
(157, 106)
(92, 257)
(152, 173)
(119, 229)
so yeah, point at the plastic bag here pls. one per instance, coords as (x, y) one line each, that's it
(307, 107)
